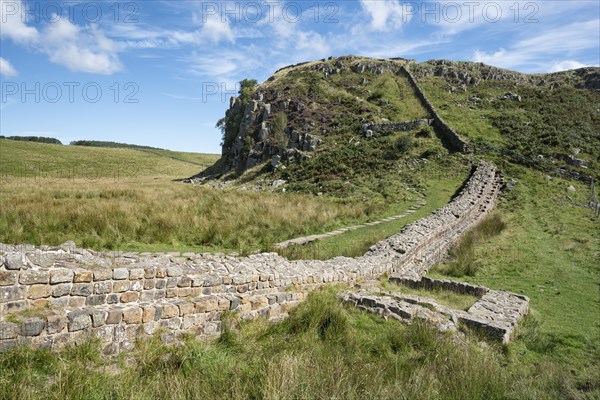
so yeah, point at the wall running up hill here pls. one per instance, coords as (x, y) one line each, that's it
(50, 297)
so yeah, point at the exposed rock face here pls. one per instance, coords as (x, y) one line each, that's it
(114, 296)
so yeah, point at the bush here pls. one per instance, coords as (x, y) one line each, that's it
(404, 144)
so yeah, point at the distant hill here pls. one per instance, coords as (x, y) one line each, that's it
(30, 159)
(38, 139)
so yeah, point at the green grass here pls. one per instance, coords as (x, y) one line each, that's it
(324, 350)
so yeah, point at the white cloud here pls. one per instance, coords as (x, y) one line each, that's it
(536, 53)
(12, 23)
(385, 14)
(217, 29)
(567, 65)
(6, 68)
(80, 49)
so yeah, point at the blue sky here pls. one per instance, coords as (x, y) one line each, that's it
(160, 73)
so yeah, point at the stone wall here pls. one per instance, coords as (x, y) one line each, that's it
(53, 296)
(449, 136)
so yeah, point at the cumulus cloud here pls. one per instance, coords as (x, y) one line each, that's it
(6, 69)
(385, 14)
(79, 48)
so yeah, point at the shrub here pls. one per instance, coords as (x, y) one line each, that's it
(404, 144)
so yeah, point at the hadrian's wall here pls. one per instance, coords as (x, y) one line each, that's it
(451, 138)
(50, 297)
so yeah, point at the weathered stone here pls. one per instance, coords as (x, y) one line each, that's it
(98, 317)
(95, 300)
(12, 293)
(129, 297)
(170, 310)
(104, 287)
(55, 323)
(78, 320)
(120, 273)
(8, 278)
(14, 261)
(132, 315)
(31, 277)
(136, 273)
(8, 330)
(148, 313)
(120, 286)
(115, 315)
(174, 271)
(39, 291)
(102, 274)
(82, 276)
(82, 289)
(61, 275)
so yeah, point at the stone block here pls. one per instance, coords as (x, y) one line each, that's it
(14, 261)
(31, 277)
(12, 293)
(83, 276)
(39, 291)
(115, 316)
(8, 278)
(136, 285)
(98, 317)
(130, 297)
(184, 282)
(186, 308)
(132, 315)
(104, 287)
(184, 292)
(103, 274)
(148, 313)
(112, 298)
(61, 275)
(120, 286)
(136, 273)
(55, 323)
(161, 272)
(8, 330)
(149, 273)
(76, 301)
(172, 292)
(174, 271)
(82, 289)
(120, 273)
(149, 284)
(161, 284)
(169, 310)
(95, 300)
(78, 320)
(172, 282)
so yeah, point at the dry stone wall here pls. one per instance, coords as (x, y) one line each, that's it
(449, 136)
(53, 296)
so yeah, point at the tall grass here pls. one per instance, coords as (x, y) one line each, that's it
(463, 258)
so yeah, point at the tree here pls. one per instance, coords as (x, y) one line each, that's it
(247, 87)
